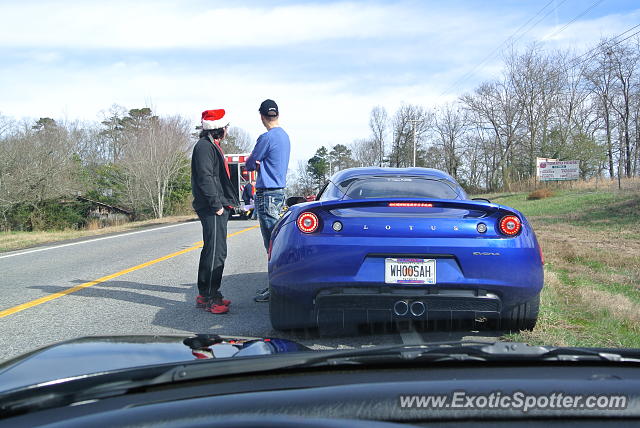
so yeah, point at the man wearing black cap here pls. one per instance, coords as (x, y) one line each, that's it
(271, 156)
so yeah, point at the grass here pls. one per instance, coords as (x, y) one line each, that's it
(10, 241)
(591, 243)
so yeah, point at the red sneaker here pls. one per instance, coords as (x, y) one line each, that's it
(201, 301)
(226, 302)
(218, 308)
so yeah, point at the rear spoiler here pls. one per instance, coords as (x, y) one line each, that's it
(488, 207)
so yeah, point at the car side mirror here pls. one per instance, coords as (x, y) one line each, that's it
(294, 200)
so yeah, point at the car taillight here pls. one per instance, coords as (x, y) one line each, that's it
(308, 222)
(410, 204)
(541, 255)
(510, 225)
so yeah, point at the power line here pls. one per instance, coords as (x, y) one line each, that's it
(584, 12)
(613, 38)
(635, 26)
(497, 49)
(594, 51)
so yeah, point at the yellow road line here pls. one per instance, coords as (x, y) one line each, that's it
(53, 296)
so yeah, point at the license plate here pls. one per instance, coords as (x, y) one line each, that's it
(410, 271)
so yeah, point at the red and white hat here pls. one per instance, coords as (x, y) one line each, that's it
(214, 119)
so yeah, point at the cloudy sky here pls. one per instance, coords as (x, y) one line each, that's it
(326, 63)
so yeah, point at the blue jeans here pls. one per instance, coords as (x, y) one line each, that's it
(268, 206)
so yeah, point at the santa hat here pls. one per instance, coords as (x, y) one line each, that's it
(214, 119)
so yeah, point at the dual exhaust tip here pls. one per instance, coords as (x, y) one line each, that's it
(402, 308)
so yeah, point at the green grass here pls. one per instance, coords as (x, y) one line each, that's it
(566, 321)
(599, 210)
(592, 290)
(565, 202)
(631, 291)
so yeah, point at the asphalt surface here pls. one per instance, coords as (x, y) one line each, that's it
(156, 298)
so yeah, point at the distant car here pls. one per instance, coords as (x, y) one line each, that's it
(383, 245)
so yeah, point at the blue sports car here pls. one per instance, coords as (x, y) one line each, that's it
(383, 245)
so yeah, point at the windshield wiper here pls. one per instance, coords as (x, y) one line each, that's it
(483, 351)
(119, 382)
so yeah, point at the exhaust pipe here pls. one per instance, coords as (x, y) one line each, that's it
(418, 309)
(400, 308)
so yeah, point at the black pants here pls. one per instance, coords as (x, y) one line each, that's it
(213, 255)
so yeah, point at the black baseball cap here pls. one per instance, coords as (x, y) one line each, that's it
(269, 108)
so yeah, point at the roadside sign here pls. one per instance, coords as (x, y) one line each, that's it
(555, 170)
(541, 160)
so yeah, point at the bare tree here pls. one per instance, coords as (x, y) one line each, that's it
(37, 164)
(365, 152)
(378, 123)
(410, 126)
(156, 154)
(450, 127)
(237, 141)
(536, 79)
(495, 108)
(301, 181)
(624, 62)
(600, 77)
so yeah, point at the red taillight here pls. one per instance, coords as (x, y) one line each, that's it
(410, 204)
(541, 255)
(510, 225)
(308, 222)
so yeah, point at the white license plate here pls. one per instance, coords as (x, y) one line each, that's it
(409, 271)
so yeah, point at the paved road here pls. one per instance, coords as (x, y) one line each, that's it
(63, 291)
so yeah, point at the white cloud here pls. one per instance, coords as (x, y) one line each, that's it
(198, 25)
(48, 84)
(588, 32)
(84, 93)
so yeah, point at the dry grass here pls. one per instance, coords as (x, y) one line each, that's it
(594, 184)
(566, 245)
(93, 224)
(592, 274)
(574, 315)
(10, 241)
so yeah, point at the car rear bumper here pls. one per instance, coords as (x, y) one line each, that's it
(367, 305)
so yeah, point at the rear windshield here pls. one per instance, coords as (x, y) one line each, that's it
(396, 187)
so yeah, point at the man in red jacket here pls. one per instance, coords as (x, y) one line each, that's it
(213, 196)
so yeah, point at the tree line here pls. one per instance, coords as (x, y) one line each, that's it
(131, 159)
(551, 104)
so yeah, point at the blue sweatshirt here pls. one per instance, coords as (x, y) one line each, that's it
(272, 150)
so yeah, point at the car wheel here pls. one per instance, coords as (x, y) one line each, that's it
(286, 314)
(522, 316)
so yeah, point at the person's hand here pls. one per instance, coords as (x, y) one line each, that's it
(220, 211)
(257, 165)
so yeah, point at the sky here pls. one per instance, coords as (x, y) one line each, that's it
(326, 63)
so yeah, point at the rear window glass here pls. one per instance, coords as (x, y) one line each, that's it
(331, 192)
(396, 187)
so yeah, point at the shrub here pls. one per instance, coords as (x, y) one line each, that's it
(540, 194)
(47, 215)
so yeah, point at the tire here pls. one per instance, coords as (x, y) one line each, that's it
(286, 314)
(521, 317)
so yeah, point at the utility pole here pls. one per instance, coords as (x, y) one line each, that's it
(413, 128)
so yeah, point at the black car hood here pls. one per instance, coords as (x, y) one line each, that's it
(89, 355)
